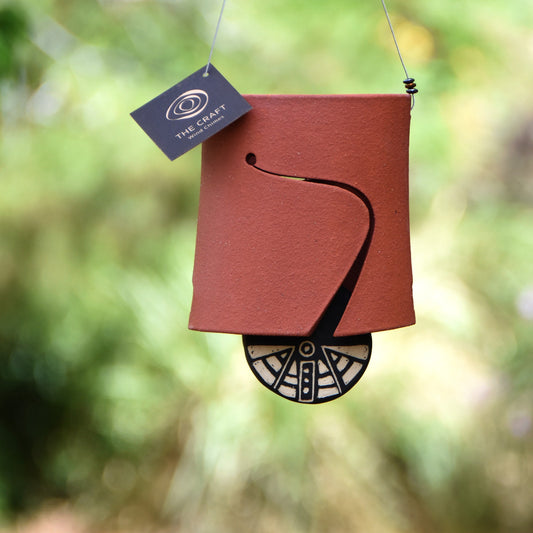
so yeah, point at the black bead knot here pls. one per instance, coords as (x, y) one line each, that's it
(410, 86)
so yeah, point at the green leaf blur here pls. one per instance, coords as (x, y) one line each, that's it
(114, 417)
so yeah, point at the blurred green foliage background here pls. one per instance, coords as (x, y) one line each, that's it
(115, 418)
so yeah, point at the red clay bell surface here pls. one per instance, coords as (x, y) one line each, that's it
(272, 250)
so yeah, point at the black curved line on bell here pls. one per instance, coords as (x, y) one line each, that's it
(353, 274)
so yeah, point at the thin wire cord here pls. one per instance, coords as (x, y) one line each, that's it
(397, 48)
(394, 37)
(206, 73)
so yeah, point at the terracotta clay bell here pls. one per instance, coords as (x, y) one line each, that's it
(303, 237)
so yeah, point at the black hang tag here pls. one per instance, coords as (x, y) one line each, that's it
(190, 112)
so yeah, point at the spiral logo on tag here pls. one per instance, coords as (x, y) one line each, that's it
(187, 105)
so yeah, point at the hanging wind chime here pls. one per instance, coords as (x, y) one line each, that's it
(303, 227)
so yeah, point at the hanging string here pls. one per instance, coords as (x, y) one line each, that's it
(408, 82)
(206, 73)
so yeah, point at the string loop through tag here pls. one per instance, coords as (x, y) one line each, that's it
(206, 73)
